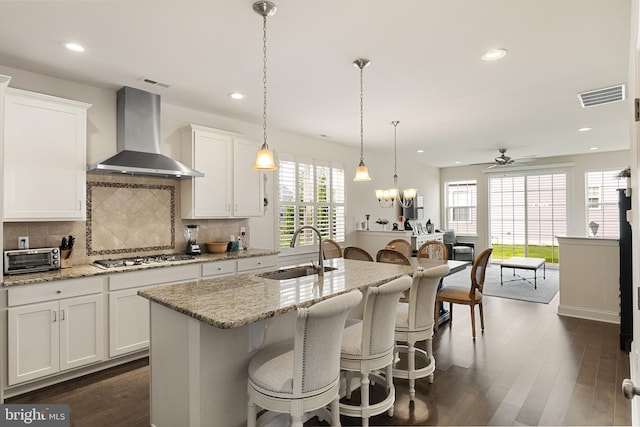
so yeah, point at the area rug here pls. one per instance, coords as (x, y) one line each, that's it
(514, 289)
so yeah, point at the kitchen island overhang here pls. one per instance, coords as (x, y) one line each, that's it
(204, 333)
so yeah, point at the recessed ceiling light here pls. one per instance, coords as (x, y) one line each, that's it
(456, 162)
(74, 47)
(236, 95)
(493, 54)
(584, 129)
(420, 151)
(593, 148)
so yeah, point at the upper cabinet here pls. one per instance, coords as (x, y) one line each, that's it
(44, 157)
(230, 187)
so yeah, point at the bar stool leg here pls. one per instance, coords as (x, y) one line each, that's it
(335, 412)
(251, 414)
(391, 389)
(411, 361)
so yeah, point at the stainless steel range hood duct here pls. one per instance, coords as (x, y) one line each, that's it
(138, 140)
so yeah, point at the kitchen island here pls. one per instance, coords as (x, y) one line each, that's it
(203, 334)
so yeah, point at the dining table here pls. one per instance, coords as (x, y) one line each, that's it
(455, 266)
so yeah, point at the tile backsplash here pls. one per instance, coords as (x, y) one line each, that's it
(126, 215)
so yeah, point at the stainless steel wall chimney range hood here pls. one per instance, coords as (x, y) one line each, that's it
(138, 140)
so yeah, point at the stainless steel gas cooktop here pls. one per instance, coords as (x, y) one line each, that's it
(147, 260)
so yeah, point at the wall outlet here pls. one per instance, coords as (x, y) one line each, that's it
(243, 231)
(23, 242)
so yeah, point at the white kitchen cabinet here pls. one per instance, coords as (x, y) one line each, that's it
(128, 322)
(129, 313)
(44, 157)
(258, 262)
(49, 337)
(230, 187)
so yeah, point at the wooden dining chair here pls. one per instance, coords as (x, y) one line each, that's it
(467, 295)
(354, 252)
(402, 246)
(392, 256)
(433, 249)
(331, 249)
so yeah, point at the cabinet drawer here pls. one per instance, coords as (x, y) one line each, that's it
(218, 268)
(254, 263)
(154, 276)
(30, 294)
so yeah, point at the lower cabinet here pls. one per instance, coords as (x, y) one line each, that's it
(128, 322)
(57, 326)
(54, 336)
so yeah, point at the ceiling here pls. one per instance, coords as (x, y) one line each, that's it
(425, 67)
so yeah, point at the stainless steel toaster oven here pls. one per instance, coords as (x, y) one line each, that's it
(31, 260)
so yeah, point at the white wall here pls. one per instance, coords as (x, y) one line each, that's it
(101, 143)
(576, 211)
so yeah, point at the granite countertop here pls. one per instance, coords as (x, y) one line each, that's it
(235, 301)
(87, 270)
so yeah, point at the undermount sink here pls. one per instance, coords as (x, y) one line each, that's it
(292, 273)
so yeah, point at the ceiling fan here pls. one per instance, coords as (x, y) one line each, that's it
(502, 159)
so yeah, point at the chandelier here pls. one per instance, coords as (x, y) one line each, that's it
(388, 198)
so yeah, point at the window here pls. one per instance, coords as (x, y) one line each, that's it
(602, 201)
(310, 193)
(528, 211)
(461, 207)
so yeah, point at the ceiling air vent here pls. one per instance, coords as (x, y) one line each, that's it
(602, 96)
(154, 82)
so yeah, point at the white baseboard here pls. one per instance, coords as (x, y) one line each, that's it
(589, 313)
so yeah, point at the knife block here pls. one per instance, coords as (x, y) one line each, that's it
(66, 260)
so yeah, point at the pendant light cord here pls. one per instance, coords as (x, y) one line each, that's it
(361, 117)
(264, 78)
(395, 155)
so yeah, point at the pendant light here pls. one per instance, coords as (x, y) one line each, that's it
(264, 159)
(404, 198)
(362, 173)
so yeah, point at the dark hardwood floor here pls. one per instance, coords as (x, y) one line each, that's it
(530, 367)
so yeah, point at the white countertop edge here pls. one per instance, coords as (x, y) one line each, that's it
(587, 241)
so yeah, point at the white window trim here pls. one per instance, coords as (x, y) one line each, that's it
(446, 205)
(566, 168)
(585, 224)
(310, 249)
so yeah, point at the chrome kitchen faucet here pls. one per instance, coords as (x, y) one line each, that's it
(320, 257)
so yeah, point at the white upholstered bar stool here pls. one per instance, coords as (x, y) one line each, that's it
(414, 322)
(304, 374)
(367, 346)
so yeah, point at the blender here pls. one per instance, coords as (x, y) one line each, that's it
(191, 234)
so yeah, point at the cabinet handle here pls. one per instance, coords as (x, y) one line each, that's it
(228, 207)
(55, 315)
(79, 205)
(236, 207)
(61, 315)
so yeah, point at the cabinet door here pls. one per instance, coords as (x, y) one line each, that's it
(33, 341)
(247, 182)
(128, 322)
(81, 331)
(209, 196)
(44, 157)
